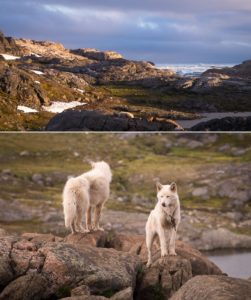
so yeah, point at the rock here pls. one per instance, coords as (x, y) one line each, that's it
(82, 290)
(20, 85)
(126, 294)
(24, 153)
(194, 144)
(225, 124)
(8, 45)
(28, 287)
(200, 192)
(164, 278)
(95, 239)
(221, 238)
(71, 120)
(82, 267)
(214, 287)
(92, 53)
(101, 269)
(37, 178)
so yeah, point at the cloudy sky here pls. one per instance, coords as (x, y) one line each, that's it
(162, 31)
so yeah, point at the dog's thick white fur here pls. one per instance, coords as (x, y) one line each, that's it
(84, 193)
(163, 221)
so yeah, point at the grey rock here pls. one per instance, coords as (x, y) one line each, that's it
(207, 287)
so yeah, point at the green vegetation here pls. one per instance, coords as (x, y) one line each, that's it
(137, 161)
(180, 101)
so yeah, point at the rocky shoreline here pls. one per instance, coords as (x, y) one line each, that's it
(36, 74)
(101, 265)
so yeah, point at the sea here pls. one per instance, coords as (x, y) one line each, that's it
(193, 69)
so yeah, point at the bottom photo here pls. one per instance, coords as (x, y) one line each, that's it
(125, 216)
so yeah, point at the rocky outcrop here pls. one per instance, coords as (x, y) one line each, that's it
(9, 46)
(225, 124)
(18, 84)
(97, 121)
(92, 266)
(214, 287)
(95, 54)
(222, 238)
(236, 79)
(241, 70)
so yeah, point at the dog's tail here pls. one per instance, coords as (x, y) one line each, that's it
(75, 193)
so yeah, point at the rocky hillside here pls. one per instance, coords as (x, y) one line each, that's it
(36, 74)
(101, 266)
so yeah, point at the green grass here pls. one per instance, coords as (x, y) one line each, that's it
(136, 163)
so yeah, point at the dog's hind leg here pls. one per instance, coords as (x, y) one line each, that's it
(149, 241)
(79, 226)
(97, 214)
(88, 219)
(73, 227)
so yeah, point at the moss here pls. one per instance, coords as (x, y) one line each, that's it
(64, 291)
(108, 293)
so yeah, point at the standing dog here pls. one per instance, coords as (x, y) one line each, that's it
(163, 220)
(84, 193)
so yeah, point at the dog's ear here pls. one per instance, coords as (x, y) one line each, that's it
(173, 187)
(159, 186)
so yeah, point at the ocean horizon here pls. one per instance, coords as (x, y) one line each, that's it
(193, 69)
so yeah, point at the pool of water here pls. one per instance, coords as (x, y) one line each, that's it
(210, 116)
(234, 263)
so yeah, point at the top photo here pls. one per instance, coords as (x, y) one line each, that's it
(160, 65)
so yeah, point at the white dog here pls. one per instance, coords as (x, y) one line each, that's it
(164, 219)
(84, 193)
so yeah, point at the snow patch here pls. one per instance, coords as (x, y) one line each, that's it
(9, 57)
(26, 109)
(58, 107)
(37, 72)
(36, 55)
(79, 90)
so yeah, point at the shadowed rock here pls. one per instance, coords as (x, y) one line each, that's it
(71, 120)
(214, 287)
(225, 124)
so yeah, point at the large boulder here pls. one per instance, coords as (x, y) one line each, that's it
(51, 267)
(164, 277)
(93, 266)
(225, 124)
(72, 120)
(214, 287)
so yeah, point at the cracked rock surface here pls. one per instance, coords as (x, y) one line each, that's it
(92, 266)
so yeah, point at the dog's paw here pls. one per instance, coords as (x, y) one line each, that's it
(172, 253)
(149, 263)
(164, 254)
(98, 228)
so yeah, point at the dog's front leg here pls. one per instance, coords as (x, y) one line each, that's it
(163, 243)
(171, 249)
(88, 219)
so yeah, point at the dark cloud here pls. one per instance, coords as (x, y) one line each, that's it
(164, 31)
